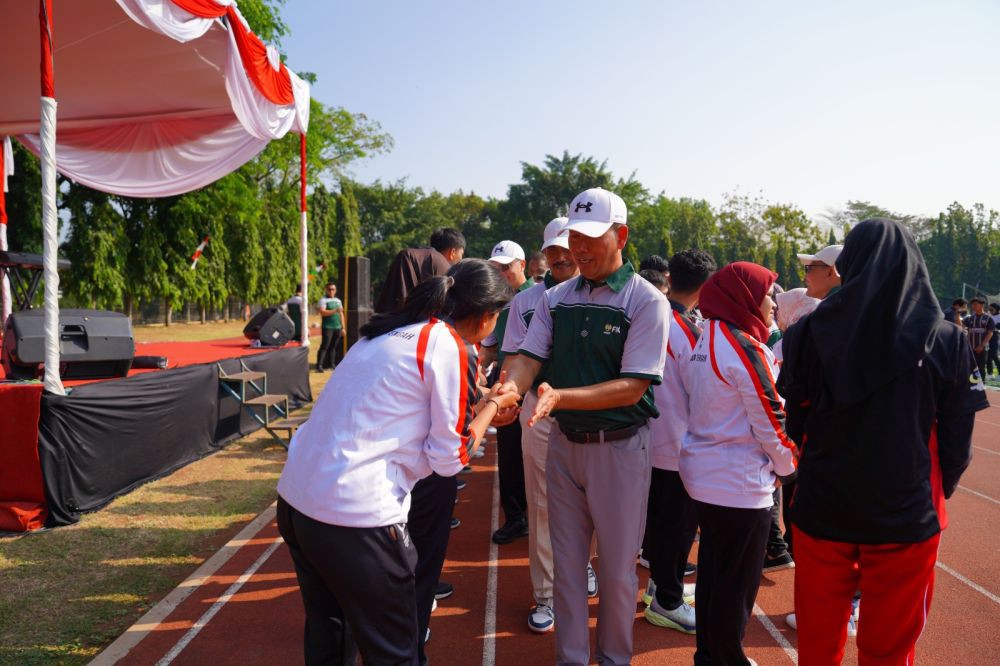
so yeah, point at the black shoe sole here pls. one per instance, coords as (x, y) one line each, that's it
(508, 539)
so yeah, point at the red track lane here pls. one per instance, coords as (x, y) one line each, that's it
(262, 622)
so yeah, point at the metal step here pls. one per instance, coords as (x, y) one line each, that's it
(269, 399)
(291, 423)
(246, 376)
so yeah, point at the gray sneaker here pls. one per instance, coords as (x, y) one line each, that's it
(680, 619)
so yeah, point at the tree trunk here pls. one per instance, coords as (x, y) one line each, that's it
(168, 315)
(203, 313)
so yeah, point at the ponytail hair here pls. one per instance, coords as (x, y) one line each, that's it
(471, 288)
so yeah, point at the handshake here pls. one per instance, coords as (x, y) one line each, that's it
(506, 395)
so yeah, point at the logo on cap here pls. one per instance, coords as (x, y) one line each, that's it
(499, 249)
(585, 206)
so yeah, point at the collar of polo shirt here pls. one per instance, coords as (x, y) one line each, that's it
(548, 280)
(615, 281)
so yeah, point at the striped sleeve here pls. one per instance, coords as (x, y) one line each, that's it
(754, 380)
(449, 371)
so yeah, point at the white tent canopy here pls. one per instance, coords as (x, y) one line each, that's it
(155, 98)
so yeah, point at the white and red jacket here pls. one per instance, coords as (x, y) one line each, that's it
(397, 408)
(667, 430)
(735, 441)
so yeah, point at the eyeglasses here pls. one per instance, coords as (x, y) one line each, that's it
(812, 267)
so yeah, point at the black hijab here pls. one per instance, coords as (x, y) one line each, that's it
(884, 318)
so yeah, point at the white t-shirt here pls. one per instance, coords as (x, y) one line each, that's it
(397, 408)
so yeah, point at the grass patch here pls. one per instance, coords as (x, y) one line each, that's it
(68, 593)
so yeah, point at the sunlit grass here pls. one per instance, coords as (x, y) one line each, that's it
(67, 593)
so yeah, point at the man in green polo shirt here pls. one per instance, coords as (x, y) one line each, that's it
(508, 257)
(331, 309)
(604, 335)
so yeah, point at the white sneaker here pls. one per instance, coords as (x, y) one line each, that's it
(643, 562)
(591, 582)
(852, 624)
(542, 619)
(479, 453)
(434, 605)
(490, 430)
(681, 619)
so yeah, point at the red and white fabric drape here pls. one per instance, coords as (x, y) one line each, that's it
(170, 151)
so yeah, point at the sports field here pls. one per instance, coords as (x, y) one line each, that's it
(243, 606)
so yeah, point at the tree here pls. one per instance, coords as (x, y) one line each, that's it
(546, 191)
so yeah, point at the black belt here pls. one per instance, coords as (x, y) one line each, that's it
(595, 437)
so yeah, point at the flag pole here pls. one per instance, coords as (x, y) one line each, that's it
(303, 242)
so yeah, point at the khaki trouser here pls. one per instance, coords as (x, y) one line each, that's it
(535, 448)
(602, 488)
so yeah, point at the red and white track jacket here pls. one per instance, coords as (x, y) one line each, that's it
(397, 408)
(667, 430)
(735, 441)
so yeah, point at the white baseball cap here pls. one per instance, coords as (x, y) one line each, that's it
(828, 255)
(506, 251)
(555, 233)
(593, 211)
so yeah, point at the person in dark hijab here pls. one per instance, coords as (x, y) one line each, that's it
(734, 449)
(882, 394)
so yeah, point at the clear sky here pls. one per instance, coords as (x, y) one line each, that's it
(811, 103)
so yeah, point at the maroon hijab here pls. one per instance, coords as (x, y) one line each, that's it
(734, 293)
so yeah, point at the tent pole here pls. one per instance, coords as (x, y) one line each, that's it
(303, 242)
(50, 221)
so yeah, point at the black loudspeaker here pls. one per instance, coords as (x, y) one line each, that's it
(355, 290)
(271, 326)
(93, 344)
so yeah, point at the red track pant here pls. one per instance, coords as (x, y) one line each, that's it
(896, 583)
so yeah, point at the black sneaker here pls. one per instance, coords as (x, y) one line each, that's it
(461, 484)
(690, 569)
(778, 562)
(443, 590)
(455, 522)
(511, 530)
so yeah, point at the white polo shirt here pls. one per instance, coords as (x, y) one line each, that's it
(397, 408)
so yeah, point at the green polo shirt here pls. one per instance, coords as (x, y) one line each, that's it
(591, 333)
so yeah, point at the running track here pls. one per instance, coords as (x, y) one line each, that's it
(243, 605)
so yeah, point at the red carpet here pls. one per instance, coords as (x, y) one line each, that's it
(22, 498)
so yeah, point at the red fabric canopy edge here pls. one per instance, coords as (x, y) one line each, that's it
(276, 86)
(206, 9)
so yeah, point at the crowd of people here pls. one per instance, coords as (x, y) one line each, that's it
(635, 413)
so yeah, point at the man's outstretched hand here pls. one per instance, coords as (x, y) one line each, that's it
(548, 398)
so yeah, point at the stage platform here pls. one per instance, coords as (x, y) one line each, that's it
(61, 456)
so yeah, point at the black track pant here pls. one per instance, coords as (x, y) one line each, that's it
(787, 492)
(357, 586)
(730, 558)
(330, 348)
(992, 359)
(775, 542)
(671, 523)
(510, 468)
(432, 503)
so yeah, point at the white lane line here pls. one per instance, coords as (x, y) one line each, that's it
(490, 626)
(978, 588)
(979, 420)
(978, 494)
(792, 653)
(217, 606)
(996, 453)
(158, 613)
